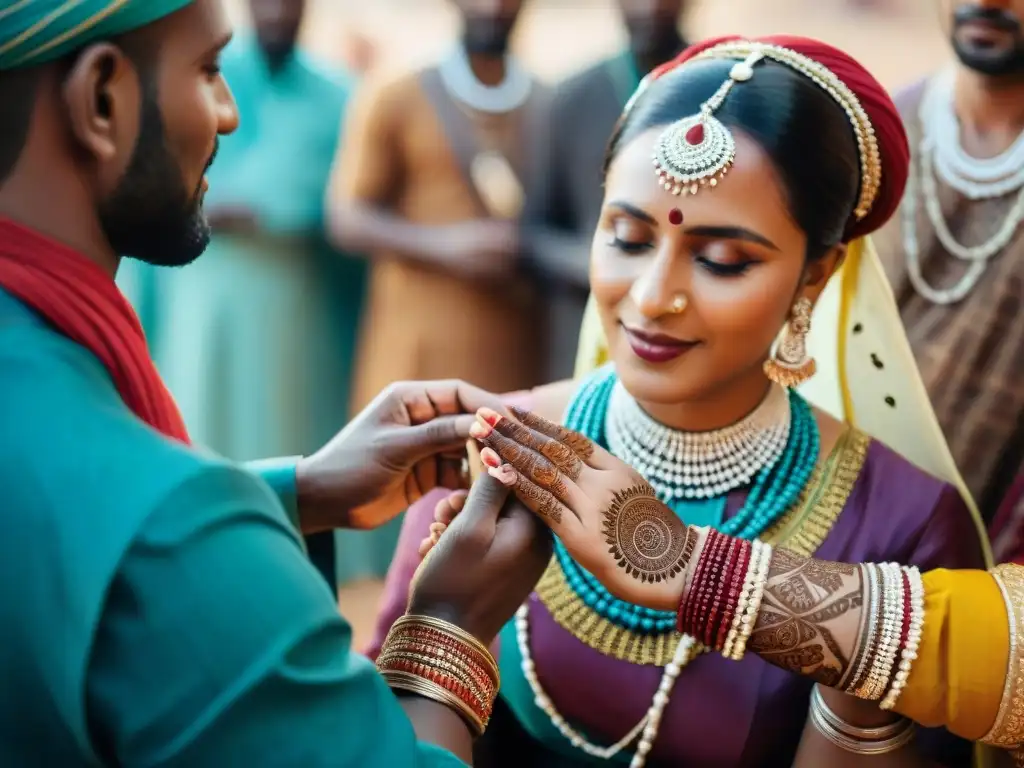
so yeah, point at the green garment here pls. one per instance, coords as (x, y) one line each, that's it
(257, 338)
(35, 31)
(156, 605)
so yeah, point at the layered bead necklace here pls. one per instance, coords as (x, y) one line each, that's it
(940, 155)
(773, 450)
(697, 465)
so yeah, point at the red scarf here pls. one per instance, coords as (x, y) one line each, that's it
(82, 302)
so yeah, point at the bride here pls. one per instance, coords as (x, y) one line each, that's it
(739, 186)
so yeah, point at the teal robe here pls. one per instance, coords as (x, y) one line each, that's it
(156, 604)
(256, 339)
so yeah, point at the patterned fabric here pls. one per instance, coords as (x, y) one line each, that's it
(36, 31)
(1008, 729)
(970, 354)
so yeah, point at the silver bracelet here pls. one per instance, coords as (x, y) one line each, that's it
(880, 740)
(872, 607)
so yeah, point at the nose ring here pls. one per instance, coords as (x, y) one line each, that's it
(678, 305)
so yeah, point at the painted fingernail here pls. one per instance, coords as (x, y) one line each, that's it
(479, 430)
(502, 475)
(491, 417)
(490, 458)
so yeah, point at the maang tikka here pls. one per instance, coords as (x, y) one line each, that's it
(697, 151)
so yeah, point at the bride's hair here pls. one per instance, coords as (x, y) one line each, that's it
(802, 129)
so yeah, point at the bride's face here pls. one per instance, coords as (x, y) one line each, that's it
(736, 261)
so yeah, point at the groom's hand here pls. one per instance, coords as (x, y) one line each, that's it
(409, 440)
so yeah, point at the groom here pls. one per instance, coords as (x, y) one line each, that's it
(156, 603)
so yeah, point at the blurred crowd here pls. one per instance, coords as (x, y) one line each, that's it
(378, 218)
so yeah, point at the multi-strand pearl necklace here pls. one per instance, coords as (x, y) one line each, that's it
(646, 729)
(698, 465)
(460, 82)
(941, 155)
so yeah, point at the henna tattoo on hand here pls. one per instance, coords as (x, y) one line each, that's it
(646, 538)
(574, 441)
(804, 603)
(540, 501)
(528, 463)
(560, 455)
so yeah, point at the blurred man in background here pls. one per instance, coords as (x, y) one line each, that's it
(431, 181)
(266, 323)
(956, 254)
(563, 215)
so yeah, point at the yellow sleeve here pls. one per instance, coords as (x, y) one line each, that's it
(958, 678)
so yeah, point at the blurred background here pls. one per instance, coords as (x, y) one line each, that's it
(261, 340)
(899, 40)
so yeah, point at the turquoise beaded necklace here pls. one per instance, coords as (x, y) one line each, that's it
(775, 489)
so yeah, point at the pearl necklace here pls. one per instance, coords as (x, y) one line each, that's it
(697, 465)
(975, 178)
(462, 85)
(648, 726)
(941, 155)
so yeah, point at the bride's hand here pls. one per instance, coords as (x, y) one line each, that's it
(607, 516)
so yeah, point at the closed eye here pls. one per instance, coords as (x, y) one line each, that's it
(631, 247)
(725, 270)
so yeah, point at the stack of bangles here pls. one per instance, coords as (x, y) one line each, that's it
(441, 662)
(720, 609)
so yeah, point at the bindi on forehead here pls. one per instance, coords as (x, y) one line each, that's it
(675, 217)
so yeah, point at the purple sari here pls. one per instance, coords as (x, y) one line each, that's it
(725, 713)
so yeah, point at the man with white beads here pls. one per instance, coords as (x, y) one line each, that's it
(955, 255)
(431, 182)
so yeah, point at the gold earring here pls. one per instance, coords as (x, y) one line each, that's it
(678, 305)
(790, 365)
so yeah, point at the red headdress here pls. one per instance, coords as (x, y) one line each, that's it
(884, 120)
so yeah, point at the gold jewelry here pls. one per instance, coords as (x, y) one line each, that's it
(790, 365)
(823, 77)
(405, 681)
(442, 662)
(679, 303)
(865, 636)
(801, 531)
(1008, 729)
(697, 151)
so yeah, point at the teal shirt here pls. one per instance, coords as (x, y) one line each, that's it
(278, 162)
(156, 605)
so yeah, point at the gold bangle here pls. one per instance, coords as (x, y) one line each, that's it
(454, 631)
(410, 683)
(1008, 729)
(442, 662)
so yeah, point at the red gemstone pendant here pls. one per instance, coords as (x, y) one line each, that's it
(695, 135)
